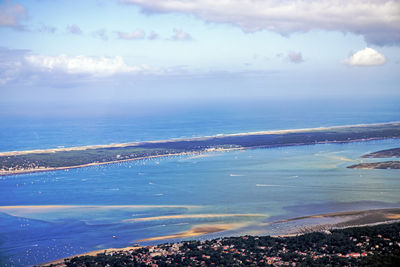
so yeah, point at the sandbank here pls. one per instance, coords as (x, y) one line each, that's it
(338, 220)
(195, 231)
(192, 216)
(355, 218)
(95, 206)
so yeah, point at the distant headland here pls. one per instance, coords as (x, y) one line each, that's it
(17, 162)
(388, 153)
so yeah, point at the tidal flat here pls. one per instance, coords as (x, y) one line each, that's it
(51, 215)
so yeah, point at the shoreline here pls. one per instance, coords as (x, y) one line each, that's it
(66, 168)
(342, 220)
(390, 215)
(30, 161)
(16, 172)
(92, 253)
(121, 145)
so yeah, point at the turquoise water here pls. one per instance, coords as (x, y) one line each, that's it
(260, 185)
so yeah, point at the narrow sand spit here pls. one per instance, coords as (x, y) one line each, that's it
(195, 231)
(194, 216)
(54, 150)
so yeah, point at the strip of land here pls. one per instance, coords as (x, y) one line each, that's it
(342, 219)
(384, 165)
(192, 216)
(17, 162)
(388, 153)
(60, 262)
(195, 231)
(33, 207)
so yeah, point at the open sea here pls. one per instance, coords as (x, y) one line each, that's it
(117, 205)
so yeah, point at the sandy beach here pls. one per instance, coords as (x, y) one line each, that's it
(14, 162)
(337, 220)
(347, 219)
(92, 253)
(54, 150)
(41, 169)
(195, 231)
(194, 216)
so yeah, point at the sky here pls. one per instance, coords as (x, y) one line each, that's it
(153, 51)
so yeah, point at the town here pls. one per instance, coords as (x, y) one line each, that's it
(368, 245)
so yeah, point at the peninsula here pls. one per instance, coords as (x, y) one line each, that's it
(16, 162)
(377, 165)
(388, 153)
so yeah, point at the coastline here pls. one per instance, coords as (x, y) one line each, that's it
(342, 220)
(199, 145)
(16, 172)
(351, 219)
(92, 253)
(271, 132)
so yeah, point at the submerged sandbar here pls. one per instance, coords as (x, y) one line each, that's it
(65, 158)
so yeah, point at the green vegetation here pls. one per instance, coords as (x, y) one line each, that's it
(78, 157)
(35, 161)
(377, 165)
(388, 153)
(360, 246)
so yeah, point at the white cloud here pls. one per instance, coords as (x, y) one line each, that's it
(366, 57)
(295, 57)
(138, 34)
(101, 66)
(21, 67)
(377, 20)
(11, 14)
(180, 35)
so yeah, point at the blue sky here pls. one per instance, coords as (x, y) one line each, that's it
(161, 50)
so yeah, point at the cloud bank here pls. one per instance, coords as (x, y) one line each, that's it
(366, 57)
(21, 66)
(101, 66)
(377, 20)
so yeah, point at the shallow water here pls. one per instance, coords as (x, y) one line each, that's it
(268, 184)
(260, 185)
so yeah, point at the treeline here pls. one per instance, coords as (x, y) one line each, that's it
(54, 159)
(360, 246)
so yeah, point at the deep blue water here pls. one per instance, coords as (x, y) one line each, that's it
(128, 124)
(267, 184)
